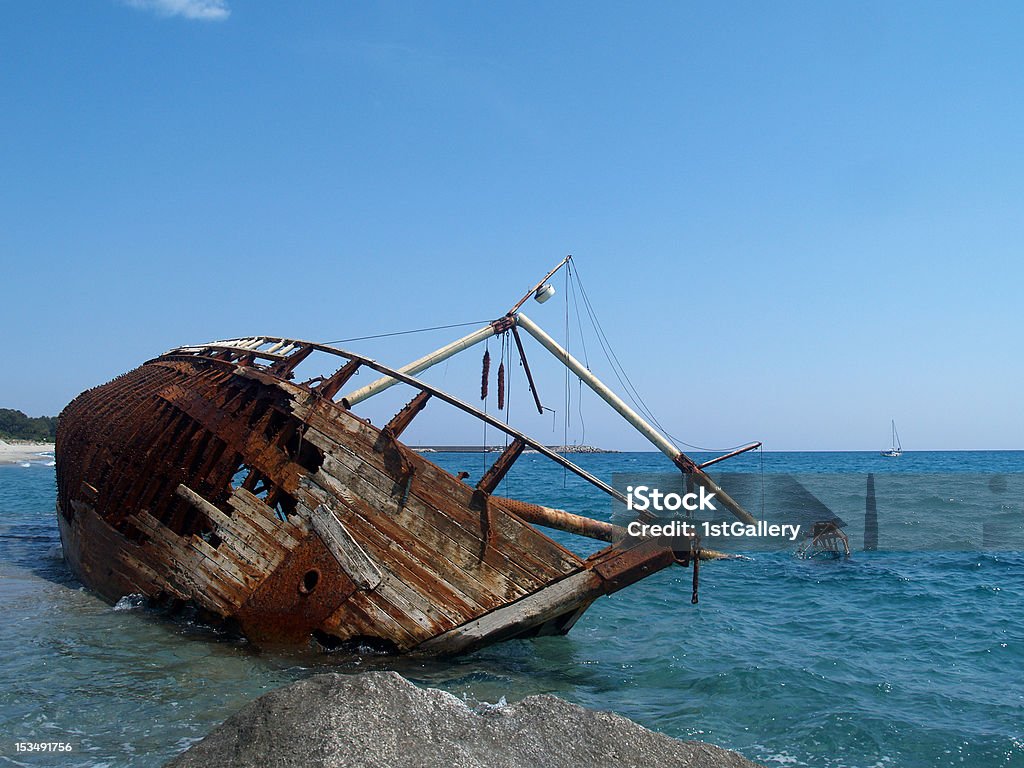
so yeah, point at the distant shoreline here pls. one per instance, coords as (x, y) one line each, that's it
(15, 451)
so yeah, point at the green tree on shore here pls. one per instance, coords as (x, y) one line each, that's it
(15, 425)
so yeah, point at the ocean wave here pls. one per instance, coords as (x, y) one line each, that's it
(130, 603)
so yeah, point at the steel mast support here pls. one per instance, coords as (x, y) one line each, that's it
(662, 443)
(439, 356)
(428, 361)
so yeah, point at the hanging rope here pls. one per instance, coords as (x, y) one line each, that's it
(483, 422)
(501, 382)
(485, 375)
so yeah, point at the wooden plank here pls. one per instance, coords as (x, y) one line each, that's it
(365, 611)
(137, 566)
(518, 536)
(346, 550)
(555, 600)
(415, 564)
(477, 583)
(251, 544)
(225, 567)
(184, 565)
(419, 608)
(264, 518)
(430, 501)
(335, 426)
(496, 573)
(421, 616)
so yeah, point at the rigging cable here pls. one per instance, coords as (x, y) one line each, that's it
(625, 382)
(586, 359)
(404, 333)
(508, 406)
(568, 393)
(760, 451)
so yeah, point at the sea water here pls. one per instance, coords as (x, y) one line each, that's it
(891, 658)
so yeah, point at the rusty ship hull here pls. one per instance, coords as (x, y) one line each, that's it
(207, 478)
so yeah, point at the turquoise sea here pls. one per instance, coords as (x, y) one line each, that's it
(910, 658)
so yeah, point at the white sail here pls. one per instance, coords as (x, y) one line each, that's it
(896, 449)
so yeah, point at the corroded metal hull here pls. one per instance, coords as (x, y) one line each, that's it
(205, 477)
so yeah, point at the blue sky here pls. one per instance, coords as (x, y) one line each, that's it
(796, 220)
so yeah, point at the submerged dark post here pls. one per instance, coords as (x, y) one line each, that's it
(870, 518)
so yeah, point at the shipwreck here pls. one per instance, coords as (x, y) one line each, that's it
(209, 477)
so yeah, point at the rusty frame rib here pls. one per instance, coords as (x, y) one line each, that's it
(500, 468)
(401, 420)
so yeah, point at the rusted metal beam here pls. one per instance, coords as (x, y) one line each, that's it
(526, 368)
(729, 455)
(689, 467)
(332, 385)
(561, 520)
(404, 417)
(440, 395)
(485, 417)
(497, 471)
(285, 367)
(538, 286)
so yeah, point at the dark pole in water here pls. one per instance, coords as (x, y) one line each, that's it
(870, 518)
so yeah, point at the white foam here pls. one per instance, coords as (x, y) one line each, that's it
(130, 603)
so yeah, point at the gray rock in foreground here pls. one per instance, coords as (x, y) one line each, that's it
(381, 719)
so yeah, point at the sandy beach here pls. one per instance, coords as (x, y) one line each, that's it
(16, 452)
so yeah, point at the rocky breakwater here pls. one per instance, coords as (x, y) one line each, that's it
(381, 719)
(578, 449)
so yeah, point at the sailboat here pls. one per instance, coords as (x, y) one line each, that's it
(897, 449)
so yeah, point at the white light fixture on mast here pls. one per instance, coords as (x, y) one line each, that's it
(544, 293)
